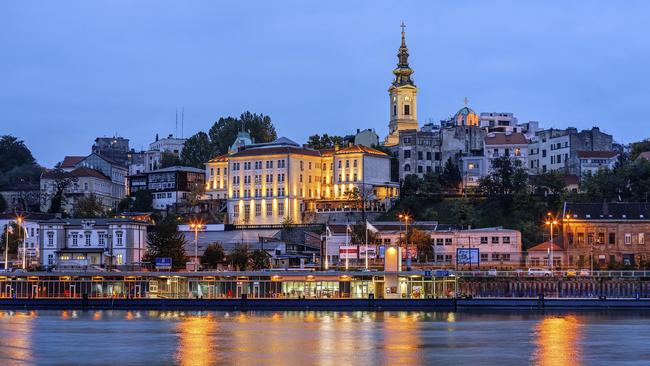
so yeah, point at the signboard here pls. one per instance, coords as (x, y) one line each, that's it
(372, 251)
(467, 256)
(163, 263)
(410, 252)
(348, 252)
(382, 251)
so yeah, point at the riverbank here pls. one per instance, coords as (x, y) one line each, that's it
(326, 304)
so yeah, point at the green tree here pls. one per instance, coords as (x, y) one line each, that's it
(639, 147)
(239, 257)
(431, 186)
(451, 177)
(197, 150)
(88, 207)
(62, 180)
(553, 181)
(259, 259)
(168, 159)
(14, 153)
(143, 201)
(422, 241)
(324, 142)
(14, 240)
(224, 131)
(125, 204)
(411, 185)
(165, 241)
(213, 255)
(507, 177)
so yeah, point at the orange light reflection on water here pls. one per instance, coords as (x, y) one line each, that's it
(196, 344)
(557, 340)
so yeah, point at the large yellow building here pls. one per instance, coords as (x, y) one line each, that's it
(272, 183)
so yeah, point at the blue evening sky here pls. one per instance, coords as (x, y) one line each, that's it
(74, 70)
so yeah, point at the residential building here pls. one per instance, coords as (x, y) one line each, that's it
(367, 137)
(607, 234)
(85, 182)
(30, 234)
(403, 98)
(419, 151)
(592, 161)
(507, 123)
(539, 256)
(512, 145)
(22, 197)
(172, 186)
(644, 155)
(553, 149)
(169, 144)
(96, 242)
(114, 148)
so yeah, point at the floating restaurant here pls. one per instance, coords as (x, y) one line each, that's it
(223, 285)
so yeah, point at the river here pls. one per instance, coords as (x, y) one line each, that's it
(110, 337)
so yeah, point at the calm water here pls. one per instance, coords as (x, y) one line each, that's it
(322, 338)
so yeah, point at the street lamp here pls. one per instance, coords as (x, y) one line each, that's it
(550, 222)
(20, 222)
(406, 218)
(198, 225)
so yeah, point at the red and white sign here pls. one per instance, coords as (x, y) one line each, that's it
(348, 251)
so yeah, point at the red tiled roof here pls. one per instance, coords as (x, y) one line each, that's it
(281, 150)
(87, 172)
(515, 138)
(71, 161)
(219, 158)
(597, 154)
(644, 155)
(545, 246)
(571, 179)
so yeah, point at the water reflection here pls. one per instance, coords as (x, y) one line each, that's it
(15, 337)
(196, 340)
(558, 341)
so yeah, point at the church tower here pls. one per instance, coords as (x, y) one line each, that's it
(403, 93)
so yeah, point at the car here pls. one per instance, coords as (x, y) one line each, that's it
(492, 272)
(571, 272)
(584, 273)
(540, 272)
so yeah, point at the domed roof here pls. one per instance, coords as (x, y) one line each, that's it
(465, 111)
(466, 116)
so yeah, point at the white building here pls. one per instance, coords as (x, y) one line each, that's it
(168, 144)
(513, 145)
(30, 235)
(92, 242)
(173, 185)
(592, 161)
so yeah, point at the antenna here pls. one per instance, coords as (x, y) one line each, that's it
(176, 126)
(182, 120)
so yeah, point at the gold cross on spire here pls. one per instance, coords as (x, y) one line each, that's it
(466, 101)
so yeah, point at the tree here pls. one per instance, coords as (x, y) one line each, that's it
(13, 237)
(639, 147)
(239, 257)
(143, 201)
(165, 241)
(553, 181)
(213, 255)
(62, 180)
(431, 186)
(88, 207)
(410, 186)
(259, 259)
(197, 150)
(422, 241)
(451, 177)
(507, 177)
(3, 204)
(324, 142)
(168, 159)
(14, 153)
(224, 131)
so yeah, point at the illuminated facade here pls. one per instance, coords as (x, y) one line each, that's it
(403, 98)
(272, 183)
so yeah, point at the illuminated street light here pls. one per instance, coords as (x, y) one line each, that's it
(197, 225)
(550, 221)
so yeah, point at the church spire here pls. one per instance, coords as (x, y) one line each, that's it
(403, 71)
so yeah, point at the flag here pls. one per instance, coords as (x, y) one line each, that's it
(371, 228)
(328, 232)
(348, 228)
(10, 229)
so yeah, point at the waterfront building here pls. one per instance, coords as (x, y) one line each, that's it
(557, 150)
(609, 235)
(97, 242)
(592, 161)
(539, 255)
(30, 235)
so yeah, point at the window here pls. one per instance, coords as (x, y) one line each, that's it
(590, 238)
(394, 109)
(269, 209)
(247, 213)
(74, 240)
(439, 241)
(50, 259)
(628, 238)
(581, 238)
(258, 209)
(641, 238)
(407, 168)
(612, 238)
(428, 155)
(119, 259)
(407, 109)
(118, 237)
(420, 156)
(102, 239)
(601, 238)
(87, 239)
(505, 240)
(280, 208)
(570, 238)
(495, 240)
(407, 154)
(347, 163)
(235, 211)
(484, 257)
(484, 239)
(447, 241)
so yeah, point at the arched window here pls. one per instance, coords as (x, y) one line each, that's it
(407, 168)
(407, 109)
(394, 109)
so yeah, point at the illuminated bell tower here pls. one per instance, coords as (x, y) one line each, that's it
(403, 97)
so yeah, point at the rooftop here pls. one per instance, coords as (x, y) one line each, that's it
(607, 211)
(515, 138)
(178, 168)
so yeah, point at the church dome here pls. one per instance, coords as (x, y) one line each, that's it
(466, 117)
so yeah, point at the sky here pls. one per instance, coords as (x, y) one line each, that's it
(71, 71)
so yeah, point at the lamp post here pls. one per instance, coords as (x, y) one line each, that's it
(551, 221)
(20, 228)
(196, 226)
(406, 219)
(7, 231)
